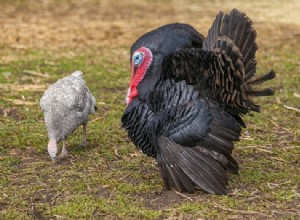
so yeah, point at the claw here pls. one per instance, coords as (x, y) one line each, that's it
(53, 158)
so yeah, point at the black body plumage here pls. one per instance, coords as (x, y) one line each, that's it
(189, 106)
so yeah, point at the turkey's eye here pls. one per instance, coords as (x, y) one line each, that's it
(137, 58)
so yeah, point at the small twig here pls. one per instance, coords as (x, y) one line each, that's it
(234, 192)
(182, 195)
(20, 88)
(284, 212)
(278, 159)
(274, 185)
(59, 216)
(123, 177)
(71, 161)
(278, 101)
(153, 164)
(297, 95)
(117, 153)
(263, 150)
(275, 124)
(19, 46)
(252, 198)
(247, 138)
(292, 147)
(95, 119)
(135, 154)
(250, 146)
(254, 192)
(19, 101)
(49, 63)
(291, 108)
(34, 73)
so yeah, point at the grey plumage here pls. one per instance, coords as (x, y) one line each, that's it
(66, 105)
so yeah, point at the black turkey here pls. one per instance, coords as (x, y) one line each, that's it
(187, 96)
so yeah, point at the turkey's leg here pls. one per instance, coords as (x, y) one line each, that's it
(64, 151)
(83, 143)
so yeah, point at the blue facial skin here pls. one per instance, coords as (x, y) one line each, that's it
(137, 59)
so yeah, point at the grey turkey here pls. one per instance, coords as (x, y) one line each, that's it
(187, 96)
(66, 105)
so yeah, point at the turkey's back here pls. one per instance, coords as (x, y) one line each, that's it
(169, 39)
(66, 105)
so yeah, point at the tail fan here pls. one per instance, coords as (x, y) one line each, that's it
(233, 39)
(237, 27)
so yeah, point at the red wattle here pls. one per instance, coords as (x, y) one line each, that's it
(138, 75)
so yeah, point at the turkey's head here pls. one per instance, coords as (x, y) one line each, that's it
(140, 63)
(52, 149)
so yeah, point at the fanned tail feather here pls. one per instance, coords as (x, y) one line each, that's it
(264, 92)
(270, 75)
(233, 39)
(250, 91)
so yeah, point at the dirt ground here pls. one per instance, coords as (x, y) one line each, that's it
(110, 26)
(102, 31)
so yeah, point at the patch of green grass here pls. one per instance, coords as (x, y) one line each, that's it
(9, 164)
(190, 207)
(285, 195)
(85, 206)
(15, 213)
(111, 179)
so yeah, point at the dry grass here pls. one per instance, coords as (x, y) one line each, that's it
(110, 26)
